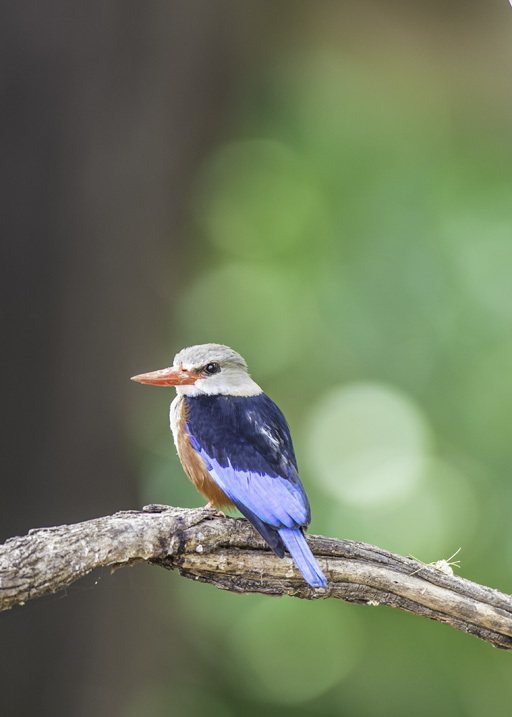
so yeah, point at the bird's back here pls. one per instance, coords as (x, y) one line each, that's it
(248, 434)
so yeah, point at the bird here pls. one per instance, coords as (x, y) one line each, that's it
(235, 446)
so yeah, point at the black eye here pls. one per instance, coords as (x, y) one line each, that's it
(211, 368)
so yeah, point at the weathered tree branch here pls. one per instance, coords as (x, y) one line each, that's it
(229, 554)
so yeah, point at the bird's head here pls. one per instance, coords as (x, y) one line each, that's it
(205, 369)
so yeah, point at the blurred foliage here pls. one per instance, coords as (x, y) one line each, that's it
(352, 239)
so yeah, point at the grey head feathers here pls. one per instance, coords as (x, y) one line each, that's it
(221, 371)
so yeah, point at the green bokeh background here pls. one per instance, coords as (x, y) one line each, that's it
(352, 234)
(325, 186)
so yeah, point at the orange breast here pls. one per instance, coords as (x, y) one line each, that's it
(195, 467)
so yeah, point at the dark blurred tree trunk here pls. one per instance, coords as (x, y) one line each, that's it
(106, 110)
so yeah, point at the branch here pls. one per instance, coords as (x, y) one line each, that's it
(229, 554)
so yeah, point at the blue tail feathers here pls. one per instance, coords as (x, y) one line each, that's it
(296, 545)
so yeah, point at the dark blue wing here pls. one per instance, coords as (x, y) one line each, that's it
(246, 444)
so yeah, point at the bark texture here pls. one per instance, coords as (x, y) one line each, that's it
(229, 554)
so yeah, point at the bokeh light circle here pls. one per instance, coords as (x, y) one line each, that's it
(256, 199)
(246, 306)
(292, 651)
(443, 513)
(367, 444)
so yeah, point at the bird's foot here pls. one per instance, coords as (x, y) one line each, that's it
(218, 513)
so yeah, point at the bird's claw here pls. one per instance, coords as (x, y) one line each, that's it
(218, 513)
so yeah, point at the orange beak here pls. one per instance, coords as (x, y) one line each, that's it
(167, 377)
